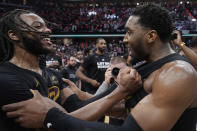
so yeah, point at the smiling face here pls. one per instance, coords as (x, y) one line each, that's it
(36, 42)
(135, 39)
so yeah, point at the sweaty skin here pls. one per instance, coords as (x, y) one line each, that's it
(169, 95)
(168, 98)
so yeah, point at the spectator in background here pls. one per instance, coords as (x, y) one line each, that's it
(79, 57)
(54, 62)
(95, 66)
(87, 52)
(69, 71)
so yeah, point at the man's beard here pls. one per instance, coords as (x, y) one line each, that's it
(140, 53)
(34, 47)
(102, 50)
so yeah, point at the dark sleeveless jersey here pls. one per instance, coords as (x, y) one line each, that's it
(188, 120)
(15, 84)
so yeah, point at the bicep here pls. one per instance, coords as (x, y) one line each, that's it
(170, 97)
(152, 117)
(13, 90)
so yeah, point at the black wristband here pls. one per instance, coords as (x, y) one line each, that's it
(72, 103)
(52, 117)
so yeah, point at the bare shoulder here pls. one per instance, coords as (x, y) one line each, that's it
(175, 80)
(177, 70)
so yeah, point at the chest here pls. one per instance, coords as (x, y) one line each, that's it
(101, 62)
(148, 82)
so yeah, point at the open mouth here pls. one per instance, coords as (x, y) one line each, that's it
(47, 41)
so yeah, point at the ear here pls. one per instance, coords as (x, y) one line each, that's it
(13, 36)
(151, 36)
(97, 44)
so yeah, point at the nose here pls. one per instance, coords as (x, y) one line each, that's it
(125, 39)
(47, 30)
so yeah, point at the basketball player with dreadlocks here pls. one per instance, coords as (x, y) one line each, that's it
(24, 37)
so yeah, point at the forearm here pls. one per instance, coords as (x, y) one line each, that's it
(82, 76)
(59, 121)
(190, 54)
(118, 111)
(102, 88)
(84, 95)
(73, 102)
(98, 108)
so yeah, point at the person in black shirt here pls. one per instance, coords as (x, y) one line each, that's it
(24, 37)
(54, 62)
(95, 66)
(79, 56)
(69, 71)
(87, 51)
(167, 99)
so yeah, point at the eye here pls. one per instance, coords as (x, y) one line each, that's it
(37, 26)
(128, 32)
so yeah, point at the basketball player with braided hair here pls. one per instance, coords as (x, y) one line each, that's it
(24, 39)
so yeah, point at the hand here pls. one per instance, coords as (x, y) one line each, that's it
(178, 40)
(94, 83)
(108, 75)
(31, 113)
(71, 84)
(129, 80)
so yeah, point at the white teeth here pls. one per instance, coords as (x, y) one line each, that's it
(46, 39)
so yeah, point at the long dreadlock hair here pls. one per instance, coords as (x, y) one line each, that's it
(11, 21)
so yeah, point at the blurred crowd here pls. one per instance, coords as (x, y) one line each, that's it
(97, 18)
(70, 47)
(105, 17)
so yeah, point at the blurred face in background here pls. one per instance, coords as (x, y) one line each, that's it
(79, 55)
(72, 61)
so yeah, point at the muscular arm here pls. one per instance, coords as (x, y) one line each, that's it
(158, 111)
(81, 75)
(97, 109)
(80, 94)
(173, 91)
(129, 81)
(190, 54)
(27, 115)
(118, 111)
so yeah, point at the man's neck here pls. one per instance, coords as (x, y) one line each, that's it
(26, 60)
(160, 51)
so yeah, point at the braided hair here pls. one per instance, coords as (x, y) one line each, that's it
(11, 21)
